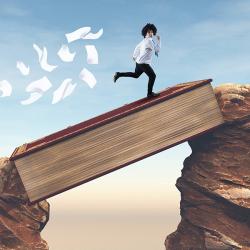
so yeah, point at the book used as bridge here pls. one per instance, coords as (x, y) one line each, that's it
(95, 147)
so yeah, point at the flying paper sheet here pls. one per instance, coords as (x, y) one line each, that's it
(92, 55)
(43, 56)
(65, 89)
(88, 77)
(38, 50)
(93, 36)
(77, 34)
(44, 64)
(33, 97)
(6, 88)
(38, 87)
(65, 54)
(23, 68)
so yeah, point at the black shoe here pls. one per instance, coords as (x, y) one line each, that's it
(152, 95)
(116, 76)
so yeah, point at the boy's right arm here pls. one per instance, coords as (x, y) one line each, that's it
(136, 52)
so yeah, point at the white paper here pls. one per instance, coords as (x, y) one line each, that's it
(25, 70)
(43, 57)
(44, 64)
(38, 88)
(87, 77)
(5, 88)
(39, 51)
(65, 54)
(92, 55)
(93, 36)
(64, 90)
(33, 97)
(77, 34)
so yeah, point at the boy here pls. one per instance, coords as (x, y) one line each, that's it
(142, 56)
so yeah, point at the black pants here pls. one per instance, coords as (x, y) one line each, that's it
(139, 69)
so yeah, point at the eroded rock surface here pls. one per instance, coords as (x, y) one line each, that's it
(20, 223)
(215, 181)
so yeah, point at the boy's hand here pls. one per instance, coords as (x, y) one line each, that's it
(158, 37)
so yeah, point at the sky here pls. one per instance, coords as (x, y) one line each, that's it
(139, 204)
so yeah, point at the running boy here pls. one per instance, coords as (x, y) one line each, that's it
(142, 56)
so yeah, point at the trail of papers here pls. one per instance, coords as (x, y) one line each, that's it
(25, 70)
(65, 54)
(92, 55)
(5, 88)
(38, 87)
(65, 89)
(43, 57)
(83, 33)
(87, 77)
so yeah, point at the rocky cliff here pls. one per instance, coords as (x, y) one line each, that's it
(215, 181)
(20, 223)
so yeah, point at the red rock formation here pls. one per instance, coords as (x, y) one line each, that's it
(20, 224)
(215, 181)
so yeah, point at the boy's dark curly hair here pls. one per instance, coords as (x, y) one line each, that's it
(147, 27)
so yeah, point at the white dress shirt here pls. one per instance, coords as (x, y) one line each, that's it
(144, 50)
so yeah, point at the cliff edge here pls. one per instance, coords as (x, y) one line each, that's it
(20, 223)
(215, 181)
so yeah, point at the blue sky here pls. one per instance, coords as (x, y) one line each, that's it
(200, 39)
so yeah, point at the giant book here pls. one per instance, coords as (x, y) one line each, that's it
(112, 140)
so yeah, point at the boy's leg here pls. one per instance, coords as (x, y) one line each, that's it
(136, 74)
(151, 75)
